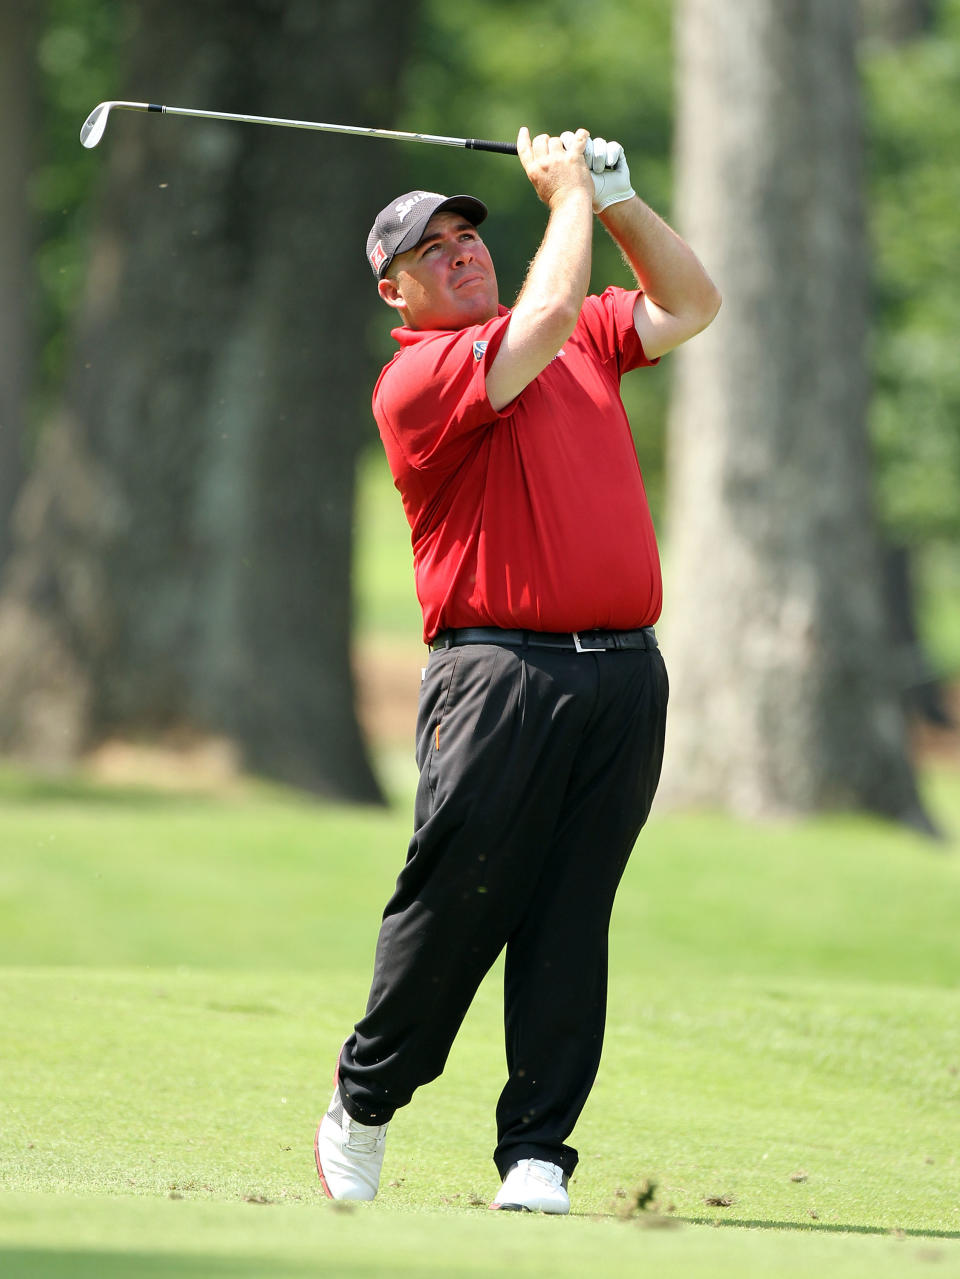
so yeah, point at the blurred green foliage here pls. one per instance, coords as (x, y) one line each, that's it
(913, 112)
(77, 65)
(553, 64)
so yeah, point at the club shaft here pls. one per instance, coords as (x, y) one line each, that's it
(477, 144)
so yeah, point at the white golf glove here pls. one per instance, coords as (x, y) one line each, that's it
(608, 168)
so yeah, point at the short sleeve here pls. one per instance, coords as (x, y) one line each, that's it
(606, 322)
(432, 398)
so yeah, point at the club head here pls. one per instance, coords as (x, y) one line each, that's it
(95, 124)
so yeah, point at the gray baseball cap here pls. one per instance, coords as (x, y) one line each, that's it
(401, 224)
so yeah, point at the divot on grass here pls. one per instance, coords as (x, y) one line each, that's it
(641, 1205)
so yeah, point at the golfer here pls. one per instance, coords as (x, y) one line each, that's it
(541, 718)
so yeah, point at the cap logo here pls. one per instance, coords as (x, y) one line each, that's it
(378, 256)
(404, 207)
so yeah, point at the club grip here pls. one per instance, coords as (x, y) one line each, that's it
(482, 144)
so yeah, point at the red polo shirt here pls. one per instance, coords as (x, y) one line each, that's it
(534, 516)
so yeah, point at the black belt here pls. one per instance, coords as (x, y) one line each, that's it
(572, 641)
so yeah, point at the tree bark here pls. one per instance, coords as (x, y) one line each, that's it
(184, 545)
(785, 684)
(17, 111)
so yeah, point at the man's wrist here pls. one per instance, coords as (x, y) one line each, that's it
(574, 195)
(600, 206)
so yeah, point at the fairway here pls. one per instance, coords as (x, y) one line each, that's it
(178, 972)
(368, 579)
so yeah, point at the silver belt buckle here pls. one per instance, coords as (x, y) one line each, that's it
(598, 648)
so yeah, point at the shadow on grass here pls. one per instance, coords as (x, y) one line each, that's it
(818, 1227)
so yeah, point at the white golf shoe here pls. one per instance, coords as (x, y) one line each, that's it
(533, 1185)
(349, 1155)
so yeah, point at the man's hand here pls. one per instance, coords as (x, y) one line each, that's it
(546, 312)
(554, 165)
(608, 168)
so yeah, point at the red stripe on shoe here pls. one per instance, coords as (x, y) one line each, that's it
(316, 1155)
(316, 1140)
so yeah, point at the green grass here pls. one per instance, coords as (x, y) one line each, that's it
(91, 876)
(205, 1241)
(177, 972)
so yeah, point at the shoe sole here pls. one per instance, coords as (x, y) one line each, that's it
(544, 1212)
(316, 1140)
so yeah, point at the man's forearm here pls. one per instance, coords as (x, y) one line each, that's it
(559, 274)
(546, 310)
(667, 270)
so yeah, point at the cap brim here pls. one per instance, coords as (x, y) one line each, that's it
(473, 210)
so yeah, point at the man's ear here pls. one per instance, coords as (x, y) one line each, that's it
(390, 292)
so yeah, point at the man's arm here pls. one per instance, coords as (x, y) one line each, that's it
(679, 299)
(549, 303)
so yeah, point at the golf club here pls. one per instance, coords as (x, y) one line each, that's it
(96, 123)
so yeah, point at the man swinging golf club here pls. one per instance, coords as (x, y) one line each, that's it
(541, 718)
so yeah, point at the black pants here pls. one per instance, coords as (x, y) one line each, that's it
(537, 771)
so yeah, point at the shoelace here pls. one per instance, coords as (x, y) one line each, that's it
(361, 1140)
(548, 1173)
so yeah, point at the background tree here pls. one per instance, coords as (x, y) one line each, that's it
(786, 690)
(17, 101)
(175, 639)
(183, 552)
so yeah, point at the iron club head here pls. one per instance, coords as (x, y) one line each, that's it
(94, 125)
(96, 122)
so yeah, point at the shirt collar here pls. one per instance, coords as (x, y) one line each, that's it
(409, 337)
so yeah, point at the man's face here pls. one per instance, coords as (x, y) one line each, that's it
(447, 281)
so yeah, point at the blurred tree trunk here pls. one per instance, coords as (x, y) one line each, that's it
(183, 553)
(17, 32)
(785, 684)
